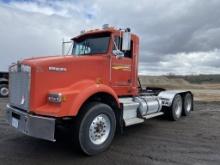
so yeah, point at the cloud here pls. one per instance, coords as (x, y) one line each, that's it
(175, 36)
(26, 34)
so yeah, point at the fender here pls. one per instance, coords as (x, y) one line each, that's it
(169, 95)
(75, 96)
(88, 91)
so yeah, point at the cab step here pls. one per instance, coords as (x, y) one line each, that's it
(153, 115)
(133, 121)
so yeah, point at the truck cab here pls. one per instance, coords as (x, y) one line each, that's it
(95, 90)
(120, 74)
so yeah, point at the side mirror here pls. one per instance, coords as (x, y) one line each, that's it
(126, 41)
(119, 54)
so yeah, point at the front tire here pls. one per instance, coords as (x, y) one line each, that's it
(95, 128)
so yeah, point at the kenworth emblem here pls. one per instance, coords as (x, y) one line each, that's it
(57, 69)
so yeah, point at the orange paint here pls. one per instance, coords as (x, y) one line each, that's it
(81, 77)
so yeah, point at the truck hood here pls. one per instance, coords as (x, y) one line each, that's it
(38, 61)
(61, 61)
(59, 72)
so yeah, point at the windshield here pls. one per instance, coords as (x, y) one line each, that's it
(91, 45)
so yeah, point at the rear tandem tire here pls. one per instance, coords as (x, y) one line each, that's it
(94, 128)
(175, 111)
(187, 104)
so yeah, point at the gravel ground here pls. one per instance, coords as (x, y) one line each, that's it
(194, 140)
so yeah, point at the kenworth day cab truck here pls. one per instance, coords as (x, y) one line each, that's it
(95, 90)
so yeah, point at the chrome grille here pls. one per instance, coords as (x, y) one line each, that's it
(19, 87)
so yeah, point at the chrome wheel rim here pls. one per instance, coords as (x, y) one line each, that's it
(99, 129)
(188, 103)
(4, 91)
(178, 107)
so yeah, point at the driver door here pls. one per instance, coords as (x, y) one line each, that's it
(121, 69)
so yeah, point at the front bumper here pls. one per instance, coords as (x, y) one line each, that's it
(32, 125)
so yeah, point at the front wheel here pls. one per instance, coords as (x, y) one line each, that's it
(95, 128)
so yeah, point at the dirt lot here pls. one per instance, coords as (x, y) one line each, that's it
(194, 140)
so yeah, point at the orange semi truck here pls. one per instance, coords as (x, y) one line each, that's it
(95, 90)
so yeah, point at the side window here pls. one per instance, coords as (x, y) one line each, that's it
(118, 43)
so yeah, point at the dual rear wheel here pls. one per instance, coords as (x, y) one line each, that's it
(182, 105)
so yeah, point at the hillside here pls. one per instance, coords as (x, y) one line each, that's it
(199, 79)
(164, 82)
(203, 91)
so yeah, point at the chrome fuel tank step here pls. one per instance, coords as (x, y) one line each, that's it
(136, 109)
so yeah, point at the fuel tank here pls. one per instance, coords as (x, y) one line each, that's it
(148, 104)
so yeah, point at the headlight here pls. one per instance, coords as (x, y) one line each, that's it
(55, 97)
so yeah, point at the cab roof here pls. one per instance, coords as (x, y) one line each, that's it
(97, 31)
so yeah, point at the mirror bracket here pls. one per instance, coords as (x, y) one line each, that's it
(119, 54)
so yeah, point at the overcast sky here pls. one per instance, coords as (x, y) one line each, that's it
(180, 37)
